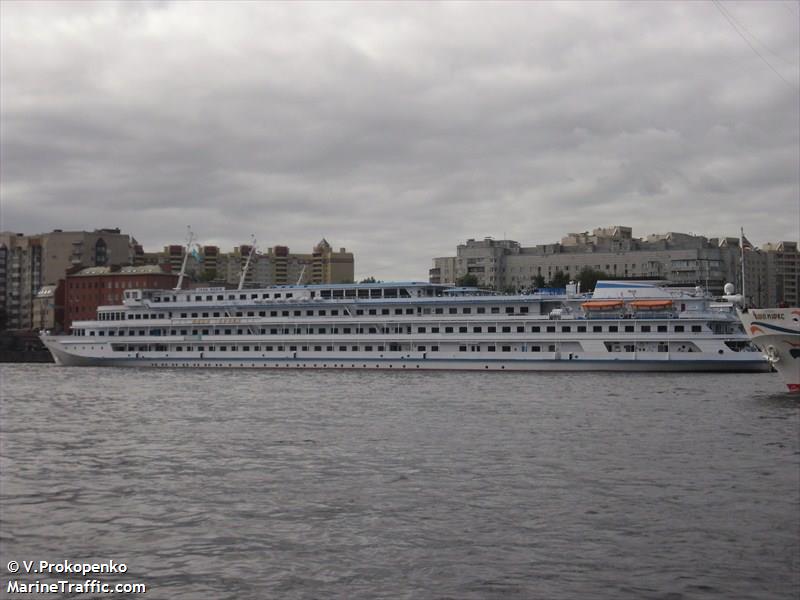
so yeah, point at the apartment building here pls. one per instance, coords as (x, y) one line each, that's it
(782, 271)
(680, 258)
(274, 266)
(29, 262)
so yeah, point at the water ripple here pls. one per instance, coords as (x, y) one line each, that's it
(224, 484)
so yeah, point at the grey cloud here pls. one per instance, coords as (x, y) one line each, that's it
(396, 130)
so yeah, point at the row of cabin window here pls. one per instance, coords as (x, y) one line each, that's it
(268, 348)
(325, 294)
(466, 310)
(366, 348)
(478, 348)
(213, 297)
(404, 329)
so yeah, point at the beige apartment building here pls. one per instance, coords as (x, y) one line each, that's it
(782, 272)
(682, 259)
(273, 266)
(29, 262)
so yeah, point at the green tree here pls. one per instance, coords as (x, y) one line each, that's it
(538, 281)
(468, 280)
(369, 279)
(588, 278)
(559, 280)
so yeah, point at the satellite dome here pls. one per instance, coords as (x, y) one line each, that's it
(729, 289)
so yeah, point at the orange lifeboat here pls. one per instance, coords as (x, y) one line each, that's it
(602, 305)
(651, 304)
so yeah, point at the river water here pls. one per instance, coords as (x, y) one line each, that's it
(215, 484)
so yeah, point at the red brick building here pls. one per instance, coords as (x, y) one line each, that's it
(101, 286)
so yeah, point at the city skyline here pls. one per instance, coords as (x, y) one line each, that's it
(399, 131)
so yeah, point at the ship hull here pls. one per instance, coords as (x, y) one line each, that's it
(554, 362)
(776, 332)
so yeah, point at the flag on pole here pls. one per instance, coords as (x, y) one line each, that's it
(746, 245)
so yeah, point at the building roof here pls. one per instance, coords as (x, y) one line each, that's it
(46, 291)
(141, 270)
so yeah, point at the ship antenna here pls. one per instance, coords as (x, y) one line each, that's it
(247, 263)
(189, 240)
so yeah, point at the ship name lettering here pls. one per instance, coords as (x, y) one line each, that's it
(768, 315)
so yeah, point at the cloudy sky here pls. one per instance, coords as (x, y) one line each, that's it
(400, 130)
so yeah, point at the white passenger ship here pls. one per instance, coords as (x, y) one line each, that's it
(623, 326)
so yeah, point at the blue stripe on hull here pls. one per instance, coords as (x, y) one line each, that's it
(775, 328)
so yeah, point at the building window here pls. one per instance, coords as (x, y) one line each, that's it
(100, 253)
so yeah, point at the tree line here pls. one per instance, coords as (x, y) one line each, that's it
(587, 278)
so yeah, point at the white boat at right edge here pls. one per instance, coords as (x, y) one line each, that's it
(776, 332)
